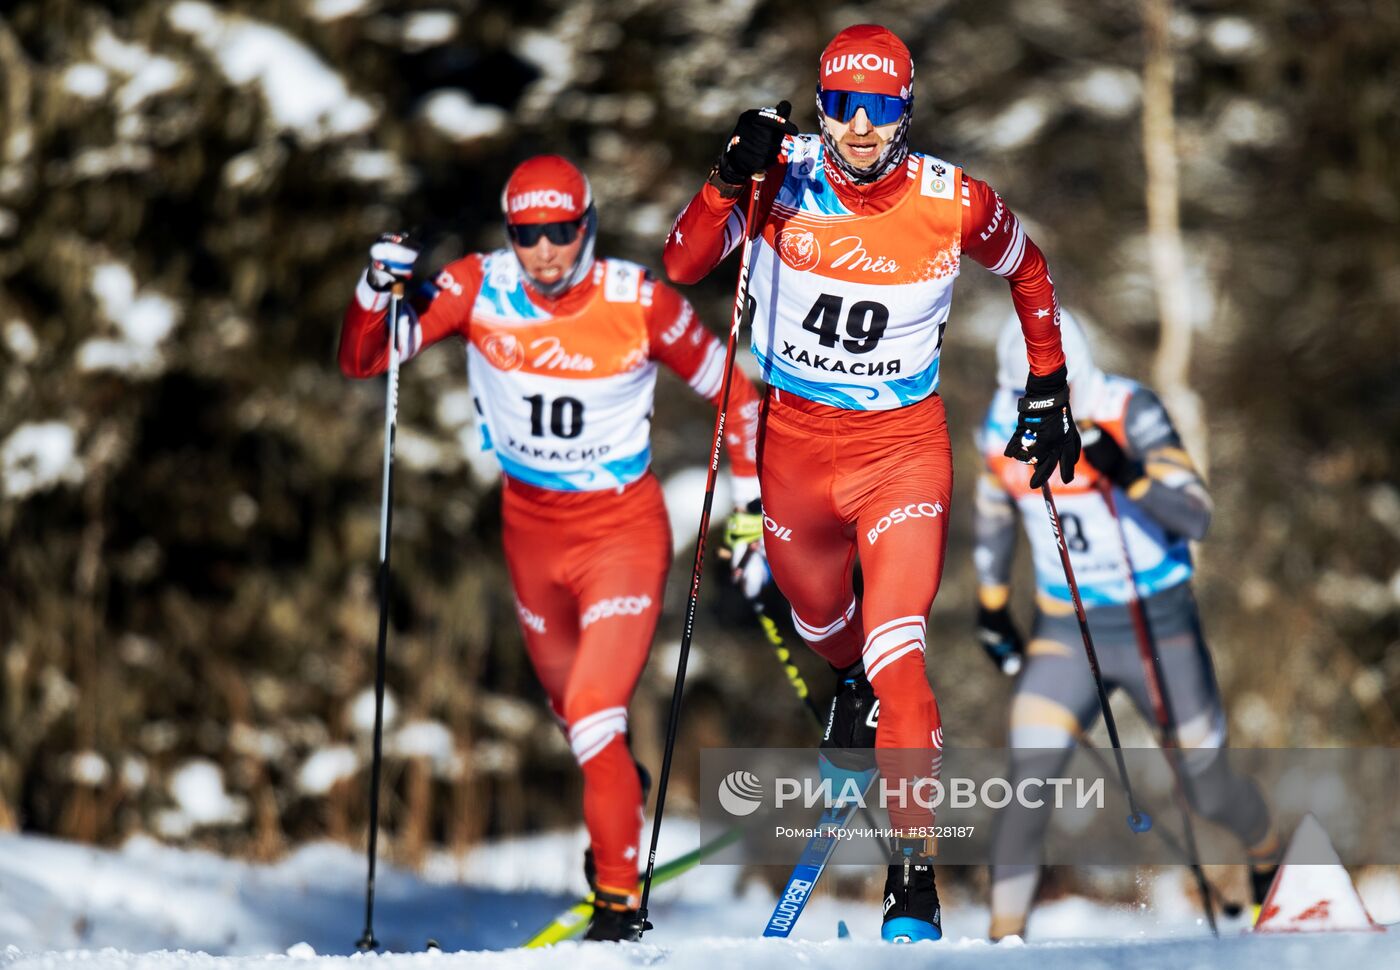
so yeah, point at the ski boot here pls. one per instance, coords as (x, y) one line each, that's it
(614, 919)
(911, 897)
(848, 743)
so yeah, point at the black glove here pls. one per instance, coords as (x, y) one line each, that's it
(999, 637)
(1107, 455)
(1045, 434)
(391, 260)
(754, 146)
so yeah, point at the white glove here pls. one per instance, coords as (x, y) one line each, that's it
(391, 260)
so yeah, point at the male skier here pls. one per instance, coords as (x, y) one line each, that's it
(1159, 505)
(561, 355)
(856, 248)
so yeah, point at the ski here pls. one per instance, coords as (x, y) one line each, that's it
(812, 863)
(574, 920)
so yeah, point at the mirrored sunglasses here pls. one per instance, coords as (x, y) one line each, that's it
(881, 109)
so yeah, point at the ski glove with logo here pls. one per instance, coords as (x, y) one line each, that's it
(391, 260)
(997, 633)
(754, 146)
(743, 541)
(1108, 456)
(1045, 434)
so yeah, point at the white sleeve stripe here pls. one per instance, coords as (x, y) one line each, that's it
(733, 230)
(710, 374)
(1011, 259)
(707, 377)
(368, 297)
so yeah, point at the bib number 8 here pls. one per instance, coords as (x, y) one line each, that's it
(865, 323)
(1072, 526)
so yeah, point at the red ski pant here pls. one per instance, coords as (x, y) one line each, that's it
(877, 485)
(589, 569)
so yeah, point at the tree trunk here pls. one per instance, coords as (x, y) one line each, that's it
(1171, 367)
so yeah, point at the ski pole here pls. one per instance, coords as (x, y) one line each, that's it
(386, 513)
(741, 301)
(1161, 707)
(1139, 821)
(1229, 907)
(784, 655)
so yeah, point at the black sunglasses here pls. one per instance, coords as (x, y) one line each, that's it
(559, 233)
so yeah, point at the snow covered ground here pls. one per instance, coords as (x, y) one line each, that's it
(150, 906)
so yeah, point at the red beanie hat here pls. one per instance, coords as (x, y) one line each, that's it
(869, 58)
(546, 188)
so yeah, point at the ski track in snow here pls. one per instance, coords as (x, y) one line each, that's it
(147, 906)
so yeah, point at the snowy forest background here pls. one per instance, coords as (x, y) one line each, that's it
(189, 489)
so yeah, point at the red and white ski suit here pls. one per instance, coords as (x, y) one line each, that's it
(564, 392)
(851, 288)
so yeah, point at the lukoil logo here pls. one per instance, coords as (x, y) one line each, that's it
(740, 793)
(677, 330)
(529, 618)
(855, 62)
(779, 531)
(542, 199)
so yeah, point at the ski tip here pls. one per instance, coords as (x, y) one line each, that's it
(433, 945)
(843, 932)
